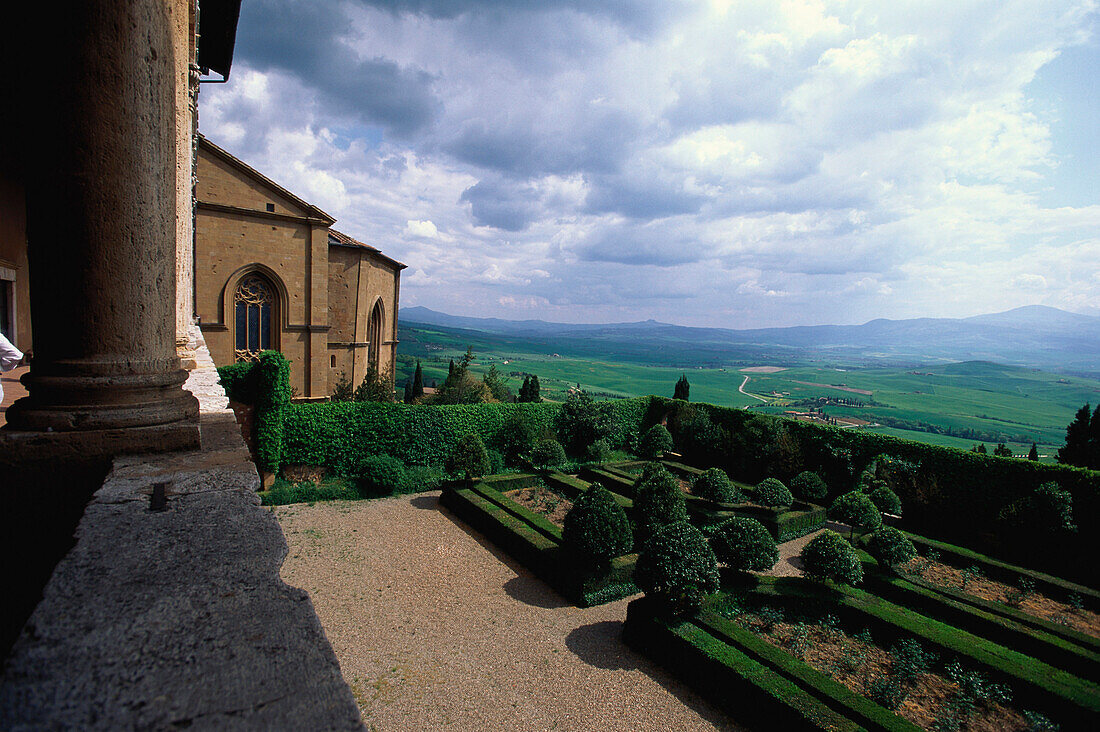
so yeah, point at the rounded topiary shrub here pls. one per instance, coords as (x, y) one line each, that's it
(598, 452)
(658, 501)
(744, 543)
(856, 510)
(829, 557)
(886, 500)
(469, 458)
(889, 546)
(677, 567)
(596, 529)
(655, 442)
(715, 485)
(809, 486)
(772, 492)
(380, 475)
(546, 453)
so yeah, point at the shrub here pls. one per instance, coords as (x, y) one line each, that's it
(547, 453)
(1048, 509)
(469, 458)
(379, 475)
(772, 492)
(496, 461)
(518, 435)
(887, 692)
(829, 557)
(715, 485)
(596, 529)
(272, 374)
(889, 547)
(582, 420)
(910, 660)
(598, 452)
(886, 500)
(744, 543)
(809, 486)
(856, 510)
(655, 442)
(658, 501)
(420, 478)
(239, 381)
(677, 568)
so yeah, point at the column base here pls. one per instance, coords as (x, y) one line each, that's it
(22, 446)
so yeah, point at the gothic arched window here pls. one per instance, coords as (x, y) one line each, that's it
(374, 335)
(254, 304)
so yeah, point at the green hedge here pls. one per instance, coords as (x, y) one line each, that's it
(333, 434)
(535, 542)
(754, 694)
(265, 384)
(947, 493)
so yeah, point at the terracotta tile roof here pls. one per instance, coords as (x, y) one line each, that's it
(339, 238)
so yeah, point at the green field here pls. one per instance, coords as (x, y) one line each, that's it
(966, 402)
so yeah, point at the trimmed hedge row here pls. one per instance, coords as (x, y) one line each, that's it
(752, 693)
(1002, 628)
(266, 385)
(948, 493)
(535, 542)
(335, 434)
(1069, 699)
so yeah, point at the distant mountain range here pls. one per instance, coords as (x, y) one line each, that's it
(1035, 336)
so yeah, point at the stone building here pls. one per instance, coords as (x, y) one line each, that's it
(271, 272)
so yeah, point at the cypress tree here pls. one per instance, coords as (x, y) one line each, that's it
(682, 387)
(535, 389)
(1033, 454)
(1094, 440)
(525, 390)
(1076, 450)
(418, 382)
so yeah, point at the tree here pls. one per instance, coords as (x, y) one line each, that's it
(529, 391)
(547, 453)
(494, 382)
(1076, 449)
(890, 547)
(518, 435)
(886, 500)
(979, 448)
(658, 501)
(1002, 450)
(469, 458)
(809, 486)
(1033, 453)
(856, 510)
(829, 557)
(375, 386)
(418, 382)
(682, 388)
(582, 420)
(744, 543)
(676, 568)
(343, 391)
(772, 492)
(715, 485)
(596, 529)
(408, 392)
(1046, 510)
(1094, 440)
(655, 442)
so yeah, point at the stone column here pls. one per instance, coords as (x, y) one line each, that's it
(101, 219)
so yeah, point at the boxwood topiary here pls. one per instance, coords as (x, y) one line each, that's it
(469, 459)
(856, 510)
(772, 492)
(547, 452)
(809, 486)
(676, 568)
(829, 557)
(890, 546)
(655, 442)
(596, 529)
(658, 501)
(886, 500)
(744, 543)
(715, 485)
(598, 452)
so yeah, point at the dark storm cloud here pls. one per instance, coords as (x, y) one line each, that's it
(640, 197)
(305, 40)
(661, 245)
(503, 204)
(640, 15)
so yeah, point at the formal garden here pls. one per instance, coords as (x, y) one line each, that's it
(941, 589)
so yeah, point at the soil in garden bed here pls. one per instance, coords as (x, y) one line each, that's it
(544, 501)
(973, 583)
(857, 663)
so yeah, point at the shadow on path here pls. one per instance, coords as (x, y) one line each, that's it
(427, 502)
(527, 589)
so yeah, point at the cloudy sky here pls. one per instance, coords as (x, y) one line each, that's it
(725, 163)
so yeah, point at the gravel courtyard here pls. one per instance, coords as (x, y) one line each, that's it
(436, 629)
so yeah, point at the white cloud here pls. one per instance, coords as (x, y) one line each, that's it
(425, 229)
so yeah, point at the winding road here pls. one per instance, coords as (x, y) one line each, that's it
(742, 390)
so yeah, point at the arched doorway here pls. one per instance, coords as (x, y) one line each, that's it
(254, 311)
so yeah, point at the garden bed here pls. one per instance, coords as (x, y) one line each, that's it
(543, 501)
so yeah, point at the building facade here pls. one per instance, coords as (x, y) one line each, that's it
(271, 272)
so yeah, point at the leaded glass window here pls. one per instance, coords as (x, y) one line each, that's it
(254, 302)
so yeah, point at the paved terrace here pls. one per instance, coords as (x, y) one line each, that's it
(176, 617)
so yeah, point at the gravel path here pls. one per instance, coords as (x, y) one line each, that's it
(436, 629)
